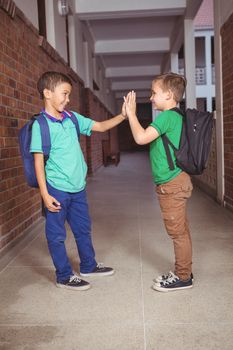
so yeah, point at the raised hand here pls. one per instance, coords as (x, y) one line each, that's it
(130, 103)
(123, 110)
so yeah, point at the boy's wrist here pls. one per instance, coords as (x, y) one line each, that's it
(44, 194)
(131, 115)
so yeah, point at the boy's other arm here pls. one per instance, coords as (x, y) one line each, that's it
(40, 175)
(108, 124)
(141, 136)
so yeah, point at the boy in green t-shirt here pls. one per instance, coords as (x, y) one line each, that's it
(62, 181)
(174, 187)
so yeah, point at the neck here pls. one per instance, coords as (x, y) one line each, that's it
(53, 112)
(170, 105)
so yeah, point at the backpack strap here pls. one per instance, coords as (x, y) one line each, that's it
(45, 134)
(167, 142)
(46, 140)
(178, 110)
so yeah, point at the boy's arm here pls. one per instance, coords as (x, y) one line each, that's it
(108, 124)
(40, 175)
(141, 136)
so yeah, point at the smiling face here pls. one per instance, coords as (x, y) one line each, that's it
(56, 100)
(159, 97)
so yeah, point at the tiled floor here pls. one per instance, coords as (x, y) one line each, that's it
(122, 312)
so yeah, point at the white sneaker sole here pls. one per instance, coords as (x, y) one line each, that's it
(81, 288)
(109, 273)
(165, 290)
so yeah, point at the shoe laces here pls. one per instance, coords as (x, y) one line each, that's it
(170, 275)
(75, 278)
(164, 277)
(170, 280)
(100, 265)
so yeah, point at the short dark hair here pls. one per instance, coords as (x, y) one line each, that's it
(174, 82)
(49, 80)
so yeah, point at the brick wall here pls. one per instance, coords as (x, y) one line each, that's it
(24, 56)
(227, 70)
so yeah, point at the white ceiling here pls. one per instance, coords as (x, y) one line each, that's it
(134, 38)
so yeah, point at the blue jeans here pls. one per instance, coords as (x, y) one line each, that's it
(74, 209)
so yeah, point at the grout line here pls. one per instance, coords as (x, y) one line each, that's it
(141, 270)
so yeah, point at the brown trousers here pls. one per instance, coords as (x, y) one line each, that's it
(173, 197)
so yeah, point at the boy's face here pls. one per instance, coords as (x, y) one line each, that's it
(158, 96)
(59, 98)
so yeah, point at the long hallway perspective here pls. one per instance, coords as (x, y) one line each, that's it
(123, 311)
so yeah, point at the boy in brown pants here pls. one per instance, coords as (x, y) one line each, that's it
(173, 187)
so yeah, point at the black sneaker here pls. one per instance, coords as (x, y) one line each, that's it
(169, 275)
(173, 283)
(99, 270)
(74, 283)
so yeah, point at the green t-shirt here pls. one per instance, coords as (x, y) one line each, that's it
(66, 168)
(170, 123)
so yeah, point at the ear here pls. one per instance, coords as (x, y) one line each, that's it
(170, 95)
(47, 93)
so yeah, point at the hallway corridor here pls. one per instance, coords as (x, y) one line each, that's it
(122, 312)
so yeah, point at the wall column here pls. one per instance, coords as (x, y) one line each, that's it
(190, 63)
(88, 67)
(174, 63)
(208, 67)
(72, 43)
(219, 102)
